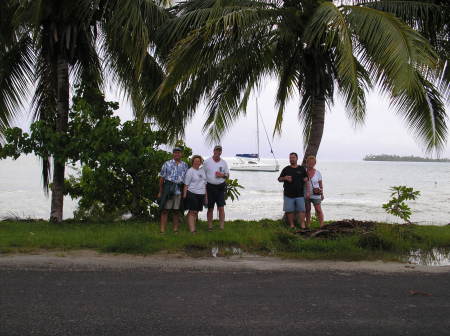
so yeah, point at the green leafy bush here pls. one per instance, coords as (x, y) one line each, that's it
(397, 205)
(119, 162)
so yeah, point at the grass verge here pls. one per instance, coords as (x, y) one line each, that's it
(264, 237)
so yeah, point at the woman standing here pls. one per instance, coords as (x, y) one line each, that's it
(316, 197)
(194, 191)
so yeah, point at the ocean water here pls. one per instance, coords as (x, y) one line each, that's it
(352, 190)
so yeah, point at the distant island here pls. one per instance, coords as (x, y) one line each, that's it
(411, 158)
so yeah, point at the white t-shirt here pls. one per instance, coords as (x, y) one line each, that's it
(211, 167)
(314, 183)
(195, 179)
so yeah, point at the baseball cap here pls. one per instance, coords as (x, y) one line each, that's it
(177, 149)
(217, 147)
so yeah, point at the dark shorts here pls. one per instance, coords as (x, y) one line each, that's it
(216, 194)
(194, 202)
(315, 201)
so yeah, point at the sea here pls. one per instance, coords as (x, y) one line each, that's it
(352, 189)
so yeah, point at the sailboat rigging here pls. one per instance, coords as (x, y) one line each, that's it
(252, 161)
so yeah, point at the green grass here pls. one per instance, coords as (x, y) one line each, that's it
(264, 237)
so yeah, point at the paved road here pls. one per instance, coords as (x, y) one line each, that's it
(154, 302)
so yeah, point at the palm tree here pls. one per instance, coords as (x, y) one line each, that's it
(224, 49)
(49, 45)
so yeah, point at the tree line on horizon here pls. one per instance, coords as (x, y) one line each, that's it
(167, 58)
(410, 158)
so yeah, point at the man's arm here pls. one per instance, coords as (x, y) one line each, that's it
(161, 183)
(283, 176)
(161, 179)
(227, 171)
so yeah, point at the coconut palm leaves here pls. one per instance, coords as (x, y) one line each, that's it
(44, 43)
(100, 39)
(430, 18)
(224, 49)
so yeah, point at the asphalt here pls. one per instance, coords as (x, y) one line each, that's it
(151, 301)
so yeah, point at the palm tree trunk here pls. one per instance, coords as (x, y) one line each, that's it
(62, 118)
(317, 124)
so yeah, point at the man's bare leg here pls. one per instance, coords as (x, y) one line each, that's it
(221, 217)
(209, 216)
(290, 218)
(301, 216)
(176, 220)
(163, 221)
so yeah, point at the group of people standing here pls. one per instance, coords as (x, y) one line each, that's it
(303, 188)
(204, 184)
(181, 187)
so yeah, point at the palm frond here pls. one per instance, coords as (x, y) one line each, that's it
(418, 14)
(403, 63)
(423, 110)
(430, 18)
(387, 44)
(129, 27)
(87, 65)
(329, 29)
(212, 35)
(16, 74)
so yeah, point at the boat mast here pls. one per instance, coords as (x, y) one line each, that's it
(268, 140)
(257, 126)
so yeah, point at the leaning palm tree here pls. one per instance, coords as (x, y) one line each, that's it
(224, 49)
(47, 45)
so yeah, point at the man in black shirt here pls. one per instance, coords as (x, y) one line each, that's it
(294, 178)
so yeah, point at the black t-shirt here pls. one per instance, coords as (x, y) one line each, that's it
(294, 188)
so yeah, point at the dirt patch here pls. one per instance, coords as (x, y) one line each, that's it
(339, 228)
(90, 260)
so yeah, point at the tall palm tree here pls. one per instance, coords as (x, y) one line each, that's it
(47, 45)
(226, 48)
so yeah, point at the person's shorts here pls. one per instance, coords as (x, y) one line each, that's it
(216, 194)
(315, 201)
(194, 202)
(296, 204)
(173, 203)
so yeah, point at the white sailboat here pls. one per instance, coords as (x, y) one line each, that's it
(252, 162)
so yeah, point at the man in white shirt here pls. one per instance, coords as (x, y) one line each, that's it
(217, 172)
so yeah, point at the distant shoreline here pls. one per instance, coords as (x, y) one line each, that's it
(411, 158)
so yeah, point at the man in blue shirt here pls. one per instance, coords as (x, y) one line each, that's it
(171, 180)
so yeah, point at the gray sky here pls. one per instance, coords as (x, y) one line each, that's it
(383, 132)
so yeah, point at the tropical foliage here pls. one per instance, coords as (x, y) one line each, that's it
(397, 204)
(232, 189)
(119, 161)
(46, 45)
(431, 19)
(226, 49)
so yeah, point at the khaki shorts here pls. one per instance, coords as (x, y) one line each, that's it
(173, 203)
